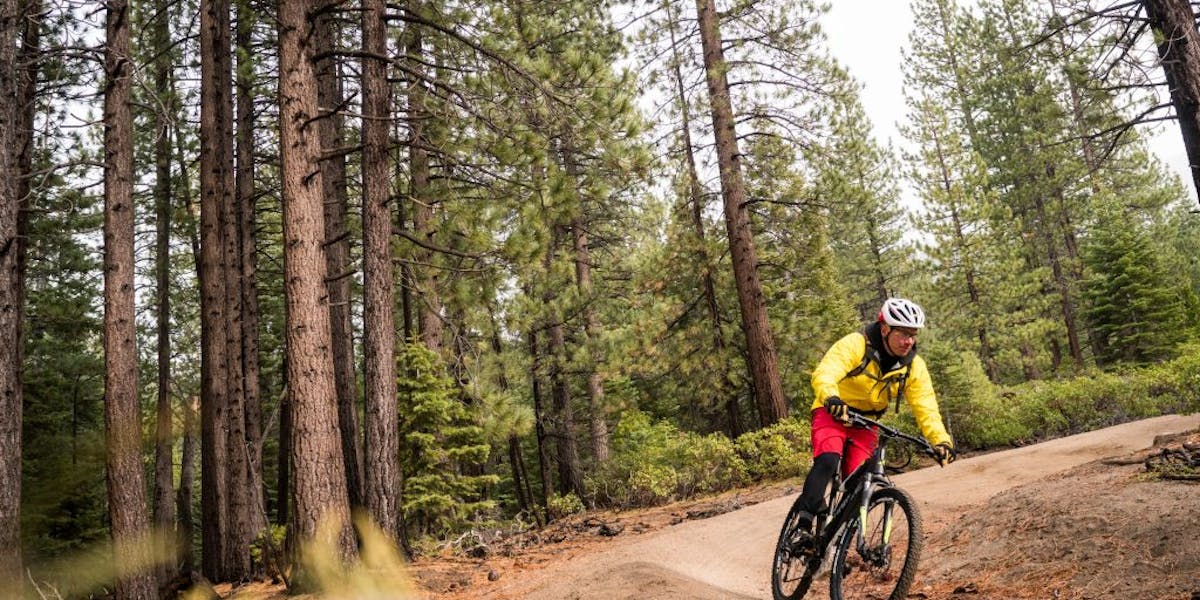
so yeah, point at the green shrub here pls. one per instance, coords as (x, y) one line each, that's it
(562, 506)
(777, 452)
(653, 462)
(1039, 410)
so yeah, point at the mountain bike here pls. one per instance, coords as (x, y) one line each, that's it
(872, 527)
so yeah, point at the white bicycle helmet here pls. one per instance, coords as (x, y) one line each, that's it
(898, 312)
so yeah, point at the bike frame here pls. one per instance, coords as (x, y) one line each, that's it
(858, 487)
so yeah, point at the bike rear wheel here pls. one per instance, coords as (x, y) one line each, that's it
(796, 559)
(885, 564)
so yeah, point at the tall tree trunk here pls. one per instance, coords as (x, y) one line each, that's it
(215, 173)
(570, 476)
(520, 476)
(407, 327)
(539, 419)
(122, 417)
(597, 416)
(191, 406)
(14, 136)
(727, 389)
(246, 201)
(322, 501)
(379, 324)
(283, 473)
(164, 456)
(1174, 24)
(241, 493)
(242, 509)
(425, 275)
(187, 478)
(960, 237)
(337, 244)
(1062, 283)
(760, 344)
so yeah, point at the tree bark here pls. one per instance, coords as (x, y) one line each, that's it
(424, 273)
(1174, 25)
(122, 418)
(164, 457)
(760, 345)
(215, 173)
(187, 478)
(283, 475)
(337, 245)
(382, 445)
(240, 498)
(727, 389)
(597, 415)
(321, 499)
(192, 406)
(570, 476)
(14, 134)
(539, 419)
(246, 202)
(407, 322)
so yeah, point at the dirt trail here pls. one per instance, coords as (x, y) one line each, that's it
(728, 556)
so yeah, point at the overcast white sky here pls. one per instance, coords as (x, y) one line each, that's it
(867, 36)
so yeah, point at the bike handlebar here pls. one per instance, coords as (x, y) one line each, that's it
(891, 432)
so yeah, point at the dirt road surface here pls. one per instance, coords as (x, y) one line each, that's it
(967, 506)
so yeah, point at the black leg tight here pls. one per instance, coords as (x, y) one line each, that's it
(812, 498)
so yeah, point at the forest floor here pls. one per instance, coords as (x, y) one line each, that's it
(1073, 518)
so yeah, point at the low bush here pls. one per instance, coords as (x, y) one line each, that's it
(653, 462)
(777, 452)
(563, 506)
(990, 416)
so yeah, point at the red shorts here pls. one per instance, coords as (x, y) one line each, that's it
(853, 444)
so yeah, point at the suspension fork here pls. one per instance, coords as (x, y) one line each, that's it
(869, 486)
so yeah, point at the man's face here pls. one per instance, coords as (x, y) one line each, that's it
(899, 340)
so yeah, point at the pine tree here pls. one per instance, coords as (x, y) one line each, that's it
(321, 499)
(441, 444)
(11, 299)
(122, 419)
(1137, 314)
(808, 294)
(760, 343)
(64, 506)
(215, 183)
(381, 446)
(1019, 120)
(856, 181)
(961, 257)
(331, 125)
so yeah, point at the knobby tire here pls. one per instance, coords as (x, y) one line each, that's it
(787, 569)
(886, 571)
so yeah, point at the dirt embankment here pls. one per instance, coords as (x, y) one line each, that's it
(1074, 518)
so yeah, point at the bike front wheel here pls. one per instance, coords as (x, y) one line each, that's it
(796, 559)
(877, 553)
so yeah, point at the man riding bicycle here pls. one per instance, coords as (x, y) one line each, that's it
(865, 372)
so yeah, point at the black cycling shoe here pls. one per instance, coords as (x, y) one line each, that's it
(804, 521)
(802, 541)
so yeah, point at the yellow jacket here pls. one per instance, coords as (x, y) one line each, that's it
(871, 391)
